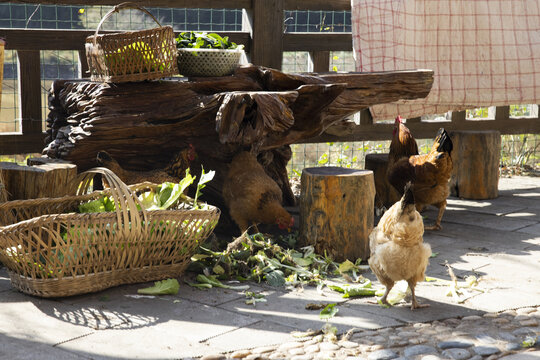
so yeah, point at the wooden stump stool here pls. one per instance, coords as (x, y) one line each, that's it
(336, 211)
(45, 179)
(386, 195)
(476, 158)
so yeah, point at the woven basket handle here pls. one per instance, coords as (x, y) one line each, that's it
(117, 8)
(126, 200)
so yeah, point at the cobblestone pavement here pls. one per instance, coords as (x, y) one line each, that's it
(491, 336)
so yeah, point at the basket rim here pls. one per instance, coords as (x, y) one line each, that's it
(211, 50)
(212, 210)
(118, 33)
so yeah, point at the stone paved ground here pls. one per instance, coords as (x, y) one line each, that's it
(491, 336)
(497, 240)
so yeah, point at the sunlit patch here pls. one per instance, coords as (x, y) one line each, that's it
(521, 214)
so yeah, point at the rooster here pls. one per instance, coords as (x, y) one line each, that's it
(403, 143)
(397, 250)
(252, 196)
(428, 173)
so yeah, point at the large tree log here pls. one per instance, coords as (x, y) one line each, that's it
(336, 211)
(143, 125)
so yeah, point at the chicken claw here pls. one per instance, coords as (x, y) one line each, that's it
(433, 227)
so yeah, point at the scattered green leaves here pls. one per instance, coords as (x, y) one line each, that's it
(252, 298)
(328, 312)
(363, 289)
(213, 281)
(163, 287)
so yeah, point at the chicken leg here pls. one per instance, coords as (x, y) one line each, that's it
(437, 225)
(386, 292)
(415, 304)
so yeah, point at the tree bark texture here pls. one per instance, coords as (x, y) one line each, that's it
(143, 125)
(336, 211)
(476, 156)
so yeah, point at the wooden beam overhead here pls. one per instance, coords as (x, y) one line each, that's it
(332, 5)
(32, 39)
(205, 4)
(321, 41)
(428, 130)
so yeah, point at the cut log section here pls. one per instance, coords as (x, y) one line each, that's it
(52, 179)
(336, 211)
(476, 156)
(386, 194)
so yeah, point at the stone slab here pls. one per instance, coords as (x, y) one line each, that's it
(13, 348)
(262, 333)
(130, 310)
(40, 320)
(162, 341)
(289, 309)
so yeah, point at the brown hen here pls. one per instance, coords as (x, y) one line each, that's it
(428, 173)
(252, 196)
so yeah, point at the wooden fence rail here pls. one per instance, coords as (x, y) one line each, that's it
(265, 41)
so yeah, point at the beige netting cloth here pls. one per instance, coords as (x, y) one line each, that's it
(483, 52)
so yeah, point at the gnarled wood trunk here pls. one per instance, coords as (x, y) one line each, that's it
(144, 124)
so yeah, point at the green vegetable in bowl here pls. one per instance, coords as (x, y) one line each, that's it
(204, 40)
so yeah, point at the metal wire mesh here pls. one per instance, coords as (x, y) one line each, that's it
(516, 149)
(64, 64)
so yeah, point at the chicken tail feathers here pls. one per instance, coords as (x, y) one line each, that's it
(444, 141)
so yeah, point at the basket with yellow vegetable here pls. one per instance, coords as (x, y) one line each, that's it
(131, 55)
(94, 240)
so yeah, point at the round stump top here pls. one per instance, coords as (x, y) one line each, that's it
(335, 171)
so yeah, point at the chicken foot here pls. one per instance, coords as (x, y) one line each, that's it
(415, 304)
(437, 225)
(386, 292)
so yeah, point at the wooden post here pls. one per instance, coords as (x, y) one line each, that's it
(30, 90)
(32, 182)
(265, 23)
(319, 61)
(386, 194)
(476, 158)
(336, 211)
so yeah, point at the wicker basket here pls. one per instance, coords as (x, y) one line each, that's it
(64, 254)
(208, 62)
(131, 55)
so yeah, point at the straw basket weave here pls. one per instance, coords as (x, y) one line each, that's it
(131, 55)
(52, 252)
(208, 62)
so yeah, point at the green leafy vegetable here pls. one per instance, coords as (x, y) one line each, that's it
(275, 278)
(166, 195)
(253, 298)
(163, 287)
(198, 40)
(102, 204)
(214, 282)
(328, 312)
(201, 184)
(364, 289)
